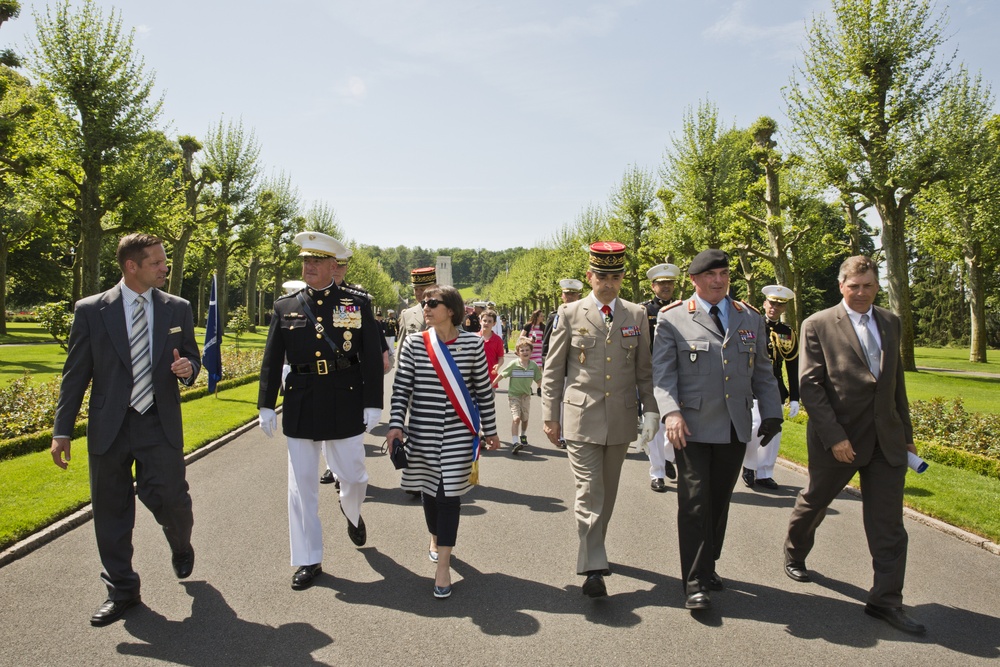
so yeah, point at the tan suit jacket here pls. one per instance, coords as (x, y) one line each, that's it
(411, 321)
(603, 367)
(842, 397)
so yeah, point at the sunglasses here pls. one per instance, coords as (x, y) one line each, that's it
(431, 303)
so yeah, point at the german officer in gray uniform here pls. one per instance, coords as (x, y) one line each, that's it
(662, 280)
(333, 394)
(709, 362)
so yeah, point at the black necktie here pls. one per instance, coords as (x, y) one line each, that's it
(714, 312)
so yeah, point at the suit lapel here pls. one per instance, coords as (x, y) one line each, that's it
(884, 338)
(850, 335)
(161, 324)
(704, 319)
(113, 314)
(593, 315)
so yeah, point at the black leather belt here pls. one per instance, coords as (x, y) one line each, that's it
(324, 366)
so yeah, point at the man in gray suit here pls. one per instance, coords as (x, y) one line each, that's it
(131, 344)
(597, 367)
(709, 363)
(852, 385)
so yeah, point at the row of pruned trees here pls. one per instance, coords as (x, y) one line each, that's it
(83, 160)
(894, 151)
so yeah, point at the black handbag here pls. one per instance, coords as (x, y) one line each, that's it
(397, 454)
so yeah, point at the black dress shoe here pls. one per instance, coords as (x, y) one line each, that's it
(358, 534)
(112, 610)
(699, 600)
(327, 477)
(897, 618)
(767, 483)
(797, 570)
(183, 563)
(658, 485)
(714, 583)
(305, 575)
(748, 477)
(670, 470)
(594, 585)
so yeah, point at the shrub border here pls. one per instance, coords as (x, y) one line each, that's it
(959, 458)
(30, 443)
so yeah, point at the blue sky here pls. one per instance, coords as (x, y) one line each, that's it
(468, 123)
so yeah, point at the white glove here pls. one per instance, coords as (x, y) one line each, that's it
(372, 417)
(650, 425)
(268, 421)
(793, 409)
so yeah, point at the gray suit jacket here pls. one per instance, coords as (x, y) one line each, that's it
(99, 352)
(606, 372)
(712, 380)
(842, 397)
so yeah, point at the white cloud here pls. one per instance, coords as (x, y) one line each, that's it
(736, 26)
(143, 29)
(354, 89)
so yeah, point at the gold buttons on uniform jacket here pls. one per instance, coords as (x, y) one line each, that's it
(319, 319)
(607, 393)
(725, 361)
(319, 302)
(607, 377)
(609, 358)
(319, 354)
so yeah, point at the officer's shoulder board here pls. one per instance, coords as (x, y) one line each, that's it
(356, 291)
(670, 305)
(744, 304)
(287, 296)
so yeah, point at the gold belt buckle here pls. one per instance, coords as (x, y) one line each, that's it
(321, 368)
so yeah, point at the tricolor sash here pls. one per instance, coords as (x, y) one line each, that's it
(454, 385)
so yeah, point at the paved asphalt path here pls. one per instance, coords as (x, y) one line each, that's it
(516, 598)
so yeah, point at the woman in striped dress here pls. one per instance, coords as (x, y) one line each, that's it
(439, 447)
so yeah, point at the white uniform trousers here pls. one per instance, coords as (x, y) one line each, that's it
(659, 451)
(346, 459)
(757, 458)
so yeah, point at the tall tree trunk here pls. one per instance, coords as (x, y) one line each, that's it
(897, 275)
(177, 261)
(251, 292)
(977, 303)
(222, 286)
(4, 251)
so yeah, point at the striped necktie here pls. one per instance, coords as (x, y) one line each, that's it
(142, 378)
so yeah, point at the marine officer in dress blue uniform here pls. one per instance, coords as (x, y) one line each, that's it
(333, 394)
(662, 280)
(783, 346)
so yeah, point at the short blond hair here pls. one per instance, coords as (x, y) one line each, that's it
(524, 342)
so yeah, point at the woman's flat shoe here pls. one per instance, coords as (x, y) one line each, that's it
(441, 592)
(433, 555)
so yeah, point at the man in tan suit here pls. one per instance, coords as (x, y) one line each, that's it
(597, 367)
(852, 386)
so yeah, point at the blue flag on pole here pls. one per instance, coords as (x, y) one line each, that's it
(211, 358)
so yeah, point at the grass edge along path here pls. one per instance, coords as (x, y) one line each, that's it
(34, 493)
(962, 498)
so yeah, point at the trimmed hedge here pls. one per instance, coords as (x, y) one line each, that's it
(957, 458)
(42, 440)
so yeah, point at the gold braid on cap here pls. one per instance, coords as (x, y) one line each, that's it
(784, 348)
(615, 262)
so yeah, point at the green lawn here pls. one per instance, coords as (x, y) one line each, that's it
(25, 332)
(956, 358)
(35, 493)
(44, 361)
(978, 394)
(958, 497)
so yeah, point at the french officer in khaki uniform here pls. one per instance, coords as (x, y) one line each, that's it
(333, 394)
(411, 320)
(597, 367)
(709, 362)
